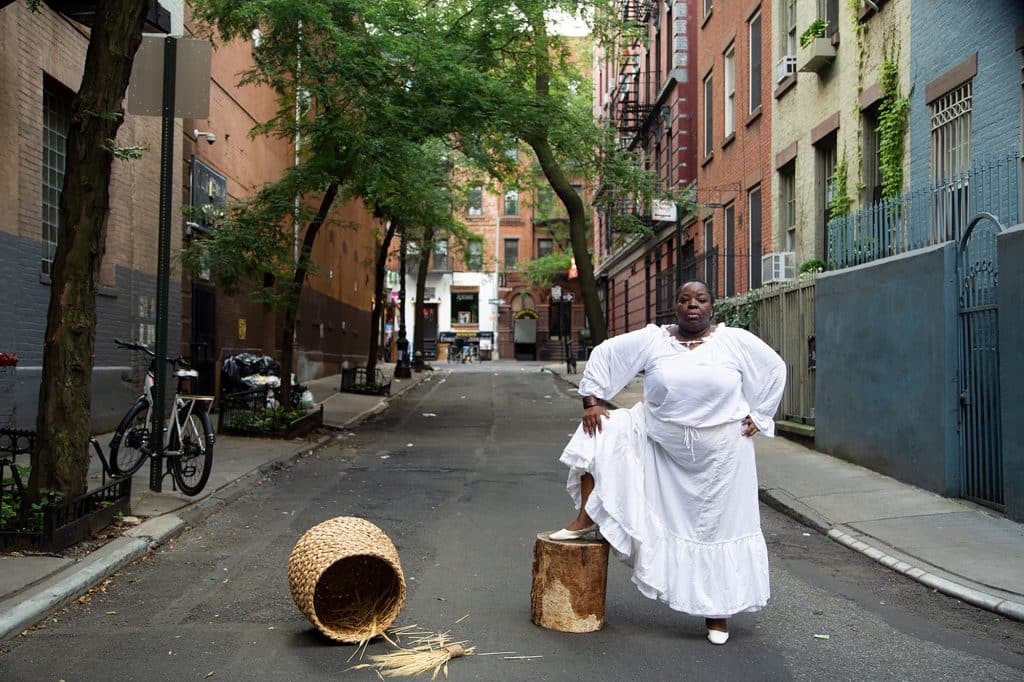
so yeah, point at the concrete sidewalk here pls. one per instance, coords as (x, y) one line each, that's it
(956, 547)
(32, 586)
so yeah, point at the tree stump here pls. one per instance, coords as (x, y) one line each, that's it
(569, 582)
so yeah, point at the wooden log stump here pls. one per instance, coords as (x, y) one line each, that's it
(569, 582)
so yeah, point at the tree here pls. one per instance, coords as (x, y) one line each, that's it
(61, 460)
(366, 70)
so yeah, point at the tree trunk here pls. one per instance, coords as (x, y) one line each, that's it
(538, 139)
(291, 312)
(61, 461)
(569, 584)
(379, 297)
(426, 248)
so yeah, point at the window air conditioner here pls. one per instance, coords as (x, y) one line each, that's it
(778, 267)
(785, 67)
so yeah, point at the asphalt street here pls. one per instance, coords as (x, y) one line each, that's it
(461, 473)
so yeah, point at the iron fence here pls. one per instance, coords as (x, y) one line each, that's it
(931, 214)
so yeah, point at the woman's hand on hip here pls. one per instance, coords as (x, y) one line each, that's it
(749, 427)
(592, 419)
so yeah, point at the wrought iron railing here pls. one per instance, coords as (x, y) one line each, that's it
(928, 215)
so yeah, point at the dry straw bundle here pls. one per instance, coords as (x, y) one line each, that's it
(428, 652)
(345, 577)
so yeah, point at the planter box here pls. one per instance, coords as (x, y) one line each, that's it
(63, 523)
(816, 56)
(354, 380)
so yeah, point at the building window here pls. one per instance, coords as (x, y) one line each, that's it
(787, 206)
(56, 120)
(755, 62)
(730, 91)
(440, 257)
(465, 307)
(511, 202)
(829, 11)
(511, 254)
(475, 255)
(788, 25)
(826, 156)
(730, 250)
(544, 247)
(709, 255)
(754, 215)
(708, 6)
(709, 110)
(871, 145)
(951, 156)
(476, 201)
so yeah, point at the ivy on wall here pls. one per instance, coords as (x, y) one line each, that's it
(893, 110)
(840, 202)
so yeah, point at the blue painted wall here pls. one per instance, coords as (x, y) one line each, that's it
(117, 374)
(886, 387)
(942, 34)
(1011, 366)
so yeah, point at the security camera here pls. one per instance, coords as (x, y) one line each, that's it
(210, 137)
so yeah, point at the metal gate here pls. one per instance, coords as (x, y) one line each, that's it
(981, 468)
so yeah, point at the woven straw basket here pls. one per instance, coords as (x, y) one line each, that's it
(345, 577)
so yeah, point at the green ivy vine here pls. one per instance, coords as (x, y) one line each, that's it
(859, 29)
(839, 204)
(893, 109)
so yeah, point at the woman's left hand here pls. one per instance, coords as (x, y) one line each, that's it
(749, 427)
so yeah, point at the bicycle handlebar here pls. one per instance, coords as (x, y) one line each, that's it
(135, 345)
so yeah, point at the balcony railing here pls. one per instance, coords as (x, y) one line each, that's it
(931, 214)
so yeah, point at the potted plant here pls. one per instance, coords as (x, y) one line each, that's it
(816, 50)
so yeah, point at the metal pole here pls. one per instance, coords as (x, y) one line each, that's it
(679, 250)
(163, 270)
(497, 306)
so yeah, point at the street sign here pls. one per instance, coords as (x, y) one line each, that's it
(497, 301)
(192, 75)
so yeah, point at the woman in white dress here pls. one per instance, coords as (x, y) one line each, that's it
(672, 482)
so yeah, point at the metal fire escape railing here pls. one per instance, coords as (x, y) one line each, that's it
(637, 11)
(631, 105)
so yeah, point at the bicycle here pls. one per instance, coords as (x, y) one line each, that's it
(190, 438)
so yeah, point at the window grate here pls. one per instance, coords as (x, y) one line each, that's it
(56, 121)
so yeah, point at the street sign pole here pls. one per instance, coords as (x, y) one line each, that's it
(163, 268)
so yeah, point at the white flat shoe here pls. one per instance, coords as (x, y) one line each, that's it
(718, 637)
(566, 534)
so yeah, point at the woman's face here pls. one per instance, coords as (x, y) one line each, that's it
(694, 307)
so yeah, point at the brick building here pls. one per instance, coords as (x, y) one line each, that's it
(647, 90)
(734, 142)
(41, 59)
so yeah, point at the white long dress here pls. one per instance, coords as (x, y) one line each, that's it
(675, 488)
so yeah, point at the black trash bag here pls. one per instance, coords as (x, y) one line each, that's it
(237, 368)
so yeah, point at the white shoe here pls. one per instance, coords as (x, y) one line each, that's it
(718, 637)
(566, 534)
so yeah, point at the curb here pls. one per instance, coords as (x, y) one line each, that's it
(970, 595)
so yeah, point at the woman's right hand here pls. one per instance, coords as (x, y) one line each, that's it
(592, 419)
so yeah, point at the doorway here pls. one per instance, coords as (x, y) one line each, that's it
(203, 344)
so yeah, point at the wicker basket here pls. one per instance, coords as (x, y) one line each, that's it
(345, 577)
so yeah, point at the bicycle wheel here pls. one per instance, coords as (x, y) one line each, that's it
(191, 466)
(130, 440)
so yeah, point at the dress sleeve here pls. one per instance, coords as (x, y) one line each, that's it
(764, 379)
(614, 362)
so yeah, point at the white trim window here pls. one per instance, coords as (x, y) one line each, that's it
(788, 24)
(754, 62)
(730, 91)
(511, 202)
(787, 206)
(709, 116)
(476, 201)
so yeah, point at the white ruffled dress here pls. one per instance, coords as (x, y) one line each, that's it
(675, 480)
